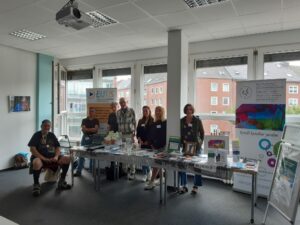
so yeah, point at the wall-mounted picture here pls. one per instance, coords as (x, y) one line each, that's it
(190, 148)
(215, 142)
(19, 103)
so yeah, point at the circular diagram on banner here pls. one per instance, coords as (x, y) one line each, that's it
(269, 153)
(264, 144)
(272, 162)
(245, 92)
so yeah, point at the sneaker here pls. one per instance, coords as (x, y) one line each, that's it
(150, 186)
(36, 191)
(183, 190)
(63, 185)
(194, 190)
(131, 176)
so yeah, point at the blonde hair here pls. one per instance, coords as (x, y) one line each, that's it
(163, 114)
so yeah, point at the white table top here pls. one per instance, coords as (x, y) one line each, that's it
(4, 221)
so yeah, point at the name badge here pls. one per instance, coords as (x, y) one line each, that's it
(190, 125)
(143, 125)
(158, 126)
(86, 138)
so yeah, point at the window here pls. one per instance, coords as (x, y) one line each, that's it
(286, 66)
(213, 100)
(155, 79)
(76, 105)
(293, 101)
(293, 89)
(213, 87)
(119, 78)
(225, 100)
(225, 72)
(225, 87)
(213, 128)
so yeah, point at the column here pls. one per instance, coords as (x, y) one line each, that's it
(177, 88)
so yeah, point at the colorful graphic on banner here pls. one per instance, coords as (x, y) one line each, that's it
(260, 119)
(100, 99)
(261, 116)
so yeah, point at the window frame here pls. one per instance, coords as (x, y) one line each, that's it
(295, 101)
(293, 86)
(224, 89)
(226, 98)
(211, 100)
(214, 87)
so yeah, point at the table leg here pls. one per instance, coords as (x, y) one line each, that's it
(72, 168)
(160, 186)
(165, 188)
(253, 197)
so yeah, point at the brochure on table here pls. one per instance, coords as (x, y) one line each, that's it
(260, 119)
(101, 99)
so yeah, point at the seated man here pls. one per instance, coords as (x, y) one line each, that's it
(45, 150)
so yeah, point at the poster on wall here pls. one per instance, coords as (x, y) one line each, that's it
(19, 103)
(260, 120)
(101, 99)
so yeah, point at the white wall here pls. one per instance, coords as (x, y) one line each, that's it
(17, 77)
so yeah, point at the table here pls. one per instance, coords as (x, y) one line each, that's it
(196, 165)
(4, 221)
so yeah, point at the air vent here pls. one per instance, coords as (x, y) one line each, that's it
(200, 3)
(100, 20)
(28, 35)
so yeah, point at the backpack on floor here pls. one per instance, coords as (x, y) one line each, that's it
(20, 161)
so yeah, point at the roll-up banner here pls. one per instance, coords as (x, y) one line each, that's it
(101, 99)
(260, 120)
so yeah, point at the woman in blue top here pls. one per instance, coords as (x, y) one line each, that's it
(191, 130)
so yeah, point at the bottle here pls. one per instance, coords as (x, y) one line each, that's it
(236, 156)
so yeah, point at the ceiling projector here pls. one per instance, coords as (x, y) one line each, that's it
(70, 16)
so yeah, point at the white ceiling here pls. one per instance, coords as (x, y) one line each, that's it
(143, 23)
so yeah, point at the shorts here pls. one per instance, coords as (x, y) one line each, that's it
(46, 165)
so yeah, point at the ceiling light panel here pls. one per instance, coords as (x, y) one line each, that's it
(100, 20)
(200, 3)
(28, 35)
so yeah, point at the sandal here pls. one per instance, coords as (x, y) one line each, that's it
(194, 190)
(183, 190)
